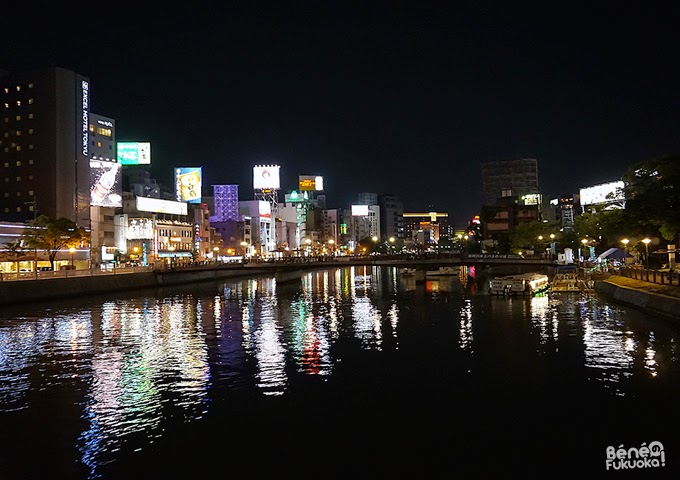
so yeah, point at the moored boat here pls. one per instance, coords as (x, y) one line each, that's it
(442, 271)
(523, 284)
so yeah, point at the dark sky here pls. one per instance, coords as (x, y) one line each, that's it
(376, 96)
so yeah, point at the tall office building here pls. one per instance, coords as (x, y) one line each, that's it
(45, 145)
(391, 216)
(509, 178)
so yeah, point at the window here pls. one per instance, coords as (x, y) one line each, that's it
(6, 164)
(18, 103)
(30, 101)
(18, 118)
(18, 179)
(18, 148)
(18, 209)
(30, 192)
(30, 85)
(18, 133)
(30, 147)
(30, 131)
(30, 115)
(18, 163)
(30, 162)
(18, 194)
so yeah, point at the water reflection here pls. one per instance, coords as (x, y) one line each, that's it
(135, 366)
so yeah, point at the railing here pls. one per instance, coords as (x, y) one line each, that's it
(661, 277)
(46, 274)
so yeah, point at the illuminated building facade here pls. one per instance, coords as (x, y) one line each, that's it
(45, 145)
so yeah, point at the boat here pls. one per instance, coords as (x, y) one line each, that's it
(442, 271)
(528, 284)
(566, 280)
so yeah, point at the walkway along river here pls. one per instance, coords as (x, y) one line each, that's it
(350, 371)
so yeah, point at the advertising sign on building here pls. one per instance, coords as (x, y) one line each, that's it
(105, 184)
(133, 153)
(604, 193)
(155, 205)
(310, 183)
(264, 209)
(266, 177)
(188, 184)
(359, 210)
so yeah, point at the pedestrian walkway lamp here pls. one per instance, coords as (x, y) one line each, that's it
(646, 242)
(625, 249)
(73, 251)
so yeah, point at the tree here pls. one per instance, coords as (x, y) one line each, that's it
(653, 196)
(53, 234)
(15, 250)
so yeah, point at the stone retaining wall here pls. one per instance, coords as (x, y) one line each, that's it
(655, 303)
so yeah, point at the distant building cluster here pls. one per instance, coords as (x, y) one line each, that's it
(60, 159)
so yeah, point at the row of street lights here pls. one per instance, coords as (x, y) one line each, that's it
(646, 241)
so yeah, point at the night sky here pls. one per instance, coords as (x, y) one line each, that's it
(376, 96)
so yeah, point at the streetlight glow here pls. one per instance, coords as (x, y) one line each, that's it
(646, 242)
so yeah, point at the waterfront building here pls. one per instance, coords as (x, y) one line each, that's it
(46, 135)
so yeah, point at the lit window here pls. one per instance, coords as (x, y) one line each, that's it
(18, 148)
(18, 118)
(18, 209)
(30, 101)
(18, 194)
(30, 131)
(30, 192)
(18, 103)
(18, 133)
(30, 147)
(6, 105)
(30, 177)
(6, 90)
(30, 115)
(6, 164)
(30, 85)
(30, 162)
(18, 163)
(18, 88)
(30, 208)
(18, 179)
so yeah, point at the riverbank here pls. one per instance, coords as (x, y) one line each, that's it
(659, 300)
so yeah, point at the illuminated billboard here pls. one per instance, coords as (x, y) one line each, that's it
(532, 199)
(359, 210)
(266, 177)
(105, 184)
(156, 205)
(188, 184)
(604, 193)
(264, 209)
(133, 153)
(310, 183)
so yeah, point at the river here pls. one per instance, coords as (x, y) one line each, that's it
(352, 371)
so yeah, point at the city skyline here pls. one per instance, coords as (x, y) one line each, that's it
(384, 99)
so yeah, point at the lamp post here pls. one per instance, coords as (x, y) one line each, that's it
(646, 242)
(73, 251)
(625, 250)
(553, 250)
(331, 242)
(244, 244)
(392, 244)
(308, 241)
(216, 253)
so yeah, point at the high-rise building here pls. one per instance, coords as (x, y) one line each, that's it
(509, 178)
(225, 203)
(391, 216)
(45, 145)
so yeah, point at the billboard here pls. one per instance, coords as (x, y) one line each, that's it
(604, 193)
(266, 177)
(188, 184)
(310, 182)
(133, 153)
(264, 209)
(359, 210)
(105, 184)
(155, 205)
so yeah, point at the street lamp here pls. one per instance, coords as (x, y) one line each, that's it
(216, 255)
(331, 242)
(392, 243)
(646, 242)
(73, 251)
(244, 244)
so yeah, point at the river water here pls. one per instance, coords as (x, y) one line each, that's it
(351, 372)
